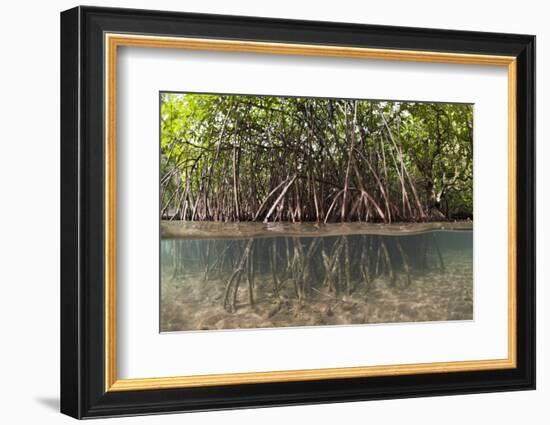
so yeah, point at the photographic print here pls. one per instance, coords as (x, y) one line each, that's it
(310, 211)
(298, 211)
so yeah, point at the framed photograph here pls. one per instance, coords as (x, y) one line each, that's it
(261, 212)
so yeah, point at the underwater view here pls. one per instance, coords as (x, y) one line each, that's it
(286, 276)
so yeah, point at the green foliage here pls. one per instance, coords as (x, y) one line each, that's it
(308, 159)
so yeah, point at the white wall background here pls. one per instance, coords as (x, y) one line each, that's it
(29, 212)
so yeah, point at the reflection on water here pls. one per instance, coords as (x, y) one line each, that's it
(309, 280)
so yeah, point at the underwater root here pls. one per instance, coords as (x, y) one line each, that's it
(316, 265)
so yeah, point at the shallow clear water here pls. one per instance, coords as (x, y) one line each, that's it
(315, 280)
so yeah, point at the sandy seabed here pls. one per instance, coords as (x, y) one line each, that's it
(190, 302)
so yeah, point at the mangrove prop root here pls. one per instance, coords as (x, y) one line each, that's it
(207, 261)
(387, 261)
(298, 268)
(364, 265)
(274, 267)
(331, 265)
(347, 266)
(340, 265)
(250, 268)
(229, 302)
(436, 246)
(404, 260)
(378, 257)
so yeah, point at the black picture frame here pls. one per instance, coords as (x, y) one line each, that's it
(83, 392)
